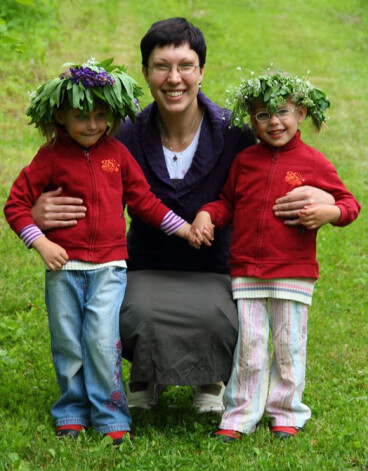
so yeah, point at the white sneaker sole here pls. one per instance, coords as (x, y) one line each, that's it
(144, 399)
(205, 402)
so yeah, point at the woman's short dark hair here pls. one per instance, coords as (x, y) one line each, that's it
(176, 32)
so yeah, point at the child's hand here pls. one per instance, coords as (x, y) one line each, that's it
(185, 232)
(202, 228)
(193, 239)
(52, 254)
(316, 215)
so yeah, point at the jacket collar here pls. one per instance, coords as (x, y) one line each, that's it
(208, 151)
(294, 142)
(64, 138)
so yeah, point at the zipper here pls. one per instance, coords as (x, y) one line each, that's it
(274, 161)
(94, 202)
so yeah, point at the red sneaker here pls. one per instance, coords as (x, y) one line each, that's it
(119, 436)
(227, 436)
(284, 432)
(69, 431)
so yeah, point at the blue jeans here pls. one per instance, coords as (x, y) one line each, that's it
(83, 309)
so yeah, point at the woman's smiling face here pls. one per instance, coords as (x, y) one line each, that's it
(173, 92)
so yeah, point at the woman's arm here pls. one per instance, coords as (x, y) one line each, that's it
(289, 206)
(52, 210)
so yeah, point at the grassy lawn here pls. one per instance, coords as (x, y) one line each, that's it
(329, 38)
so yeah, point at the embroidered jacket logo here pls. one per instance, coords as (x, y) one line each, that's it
(294, 179)
(110, 166)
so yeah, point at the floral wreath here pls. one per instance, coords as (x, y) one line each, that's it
(81, 86)
(274, 89)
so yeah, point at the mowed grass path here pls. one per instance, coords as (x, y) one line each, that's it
(327, 38)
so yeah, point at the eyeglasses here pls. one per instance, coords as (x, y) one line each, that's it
(165, 69)
(265, 116)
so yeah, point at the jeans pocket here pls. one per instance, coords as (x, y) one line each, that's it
(120, 273)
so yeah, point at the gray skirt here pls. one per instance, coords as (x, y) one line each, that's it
(178, 328)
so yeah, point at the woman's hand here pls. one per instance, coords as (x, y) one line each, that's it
(52, 210)
(52, 254)
(289, 206)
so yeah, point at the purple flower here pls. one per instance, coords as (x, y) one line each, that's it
(137, 105)
(90, 78)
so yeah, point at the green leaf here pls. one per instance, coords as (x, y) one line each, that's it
(316, 94)
(98, 94)
(69, 64)
(90, 101)
(50, 86)
(127, 82)
(77, 96)
(267, 94)
(55, 96)
(109, 97)
(117, 86)
(106, 63)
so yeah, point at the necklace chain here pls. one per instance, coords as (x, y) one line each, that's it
(166, 139)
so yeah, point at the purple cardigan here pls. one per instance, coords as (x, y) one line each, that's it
(218, 145)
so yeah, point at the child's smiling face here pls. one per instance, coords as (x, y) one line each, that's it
(280, 128)
(87, 129)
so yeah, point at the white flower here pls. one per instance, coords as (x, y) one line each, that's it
(31, 94)
(91, 62)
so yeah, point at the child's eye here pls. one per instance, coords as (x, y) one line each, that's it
(283, 112)
(262, 116)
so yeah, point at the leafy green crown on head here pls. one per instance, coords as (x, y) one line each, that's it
(82, 85)
(274, 89)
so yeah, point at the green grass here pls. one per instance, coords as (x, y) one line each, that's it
(326, 37)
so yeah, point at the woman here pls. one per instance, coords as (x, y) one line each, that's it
(178, 321)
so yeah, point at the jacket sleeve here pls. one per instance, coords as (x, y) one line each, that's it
(24, 192)
(328, 180)
(222, 210)
(137, 193)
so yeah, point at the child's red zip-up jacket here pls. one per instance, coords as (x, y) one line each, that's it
(262, 246)
(106, 177)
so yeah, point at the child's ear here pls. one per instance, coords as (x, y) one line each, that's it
(58, 115)
(301, 113)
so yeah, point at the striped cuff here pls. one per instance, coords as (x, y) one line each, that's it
(29, 234)
(171, 223)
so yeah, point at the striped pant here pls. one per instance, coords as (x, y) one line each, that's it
(254, 387)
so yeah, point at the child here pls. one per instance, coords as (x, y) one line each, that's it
(85, 264)
(273, 266)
